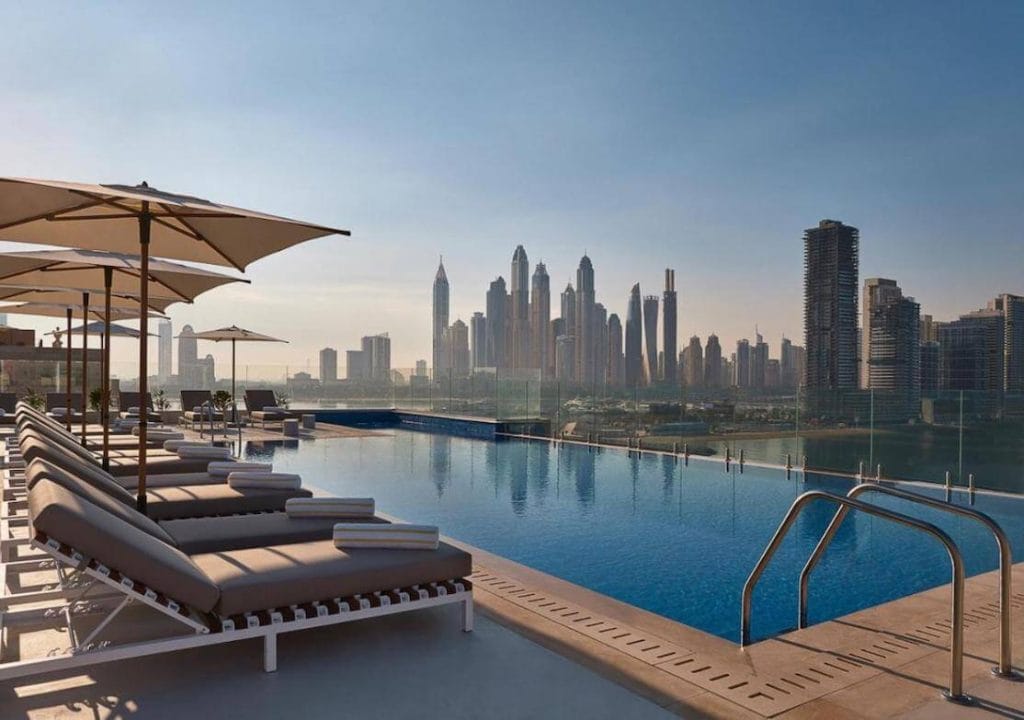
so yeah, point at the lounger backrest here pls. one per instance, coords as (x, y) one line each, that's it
(194, 398)
(32, 413)
(256, 400)
(39, 470)
(56, 400)
(55, 437)
(34, 448)
(8, 402)
(131, 399)
(73, 520)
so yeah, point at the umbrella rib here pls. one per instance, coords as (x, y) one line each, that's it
(134, 273)
(203, 238)
(22, 272)
(51, 215)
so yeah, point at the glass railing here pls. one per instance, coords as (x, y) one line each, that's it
(971, 435)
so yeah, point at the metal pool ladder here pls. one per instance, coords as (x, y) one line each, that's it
(1005, 667)
(954, 692)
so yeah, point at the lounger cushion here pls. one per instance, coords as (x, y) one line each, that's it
(205, 500)
(95, 533)
(157, 465)
(204, 535)
(131, 482)
(40, 470)
(81, 469)
(281, 575)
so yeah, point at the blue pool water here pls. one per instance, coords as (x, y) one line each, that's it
(678, 541)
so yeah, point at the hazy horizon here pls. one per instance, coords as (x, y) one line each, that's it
(700, 137)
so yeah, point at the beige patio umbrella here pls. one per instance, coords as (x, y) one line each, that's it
(68, 311)
(235, 334)
(123, 218)
(66, 275)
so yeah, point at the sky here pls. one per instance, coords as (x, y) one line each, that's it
(699, 136)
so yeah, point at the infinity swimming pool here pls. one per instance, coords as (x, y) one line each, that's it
(672, 539)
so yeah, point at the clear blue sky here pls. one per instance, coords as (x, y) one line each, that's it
(699, 136)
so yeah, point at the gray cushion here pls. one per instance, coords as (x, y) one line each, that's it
(97, 534)
(281, 575)
(83, 472)
(204, 535)
(121, 507)
(168, 503)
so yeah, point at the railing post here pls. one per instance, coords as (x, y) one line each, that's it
(727, 459)
(741, 461)
(686, 454)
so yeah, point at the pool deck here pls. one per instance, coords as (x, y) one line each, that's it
(547, 648)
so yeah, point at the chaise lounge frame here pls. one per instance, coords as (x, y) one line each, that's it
(205, 629)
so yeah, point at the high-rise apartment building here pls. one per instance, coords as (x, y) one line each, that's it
(357, 365)
(328, 365)
(478, 340)
(713, 362)
(694, 368)
(584, 331)
(787, 364)
(670, 327)
(741, 365)
(972, 353)
(189, 375)
(568, 310)
(831, 253)
(540, 321)
(1012, 309)
(891, 346)
(497, 316)
(457, 348)
(759, 363)
(565, 358)
(520, 296)
(440, 311)
(930, 352)
(634, 351)
(651, 337)
(165, 351)
(600, 345)
(616, 365)
(377, 356)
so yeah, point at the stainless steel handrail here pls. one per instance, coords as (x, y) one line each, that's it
(956, 667)
(1005, 667)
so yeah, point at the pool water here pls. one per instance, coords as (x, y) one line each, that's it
(676, 540)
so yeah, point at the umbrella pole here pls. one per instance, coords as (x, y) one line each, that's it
(234, 399)
(85, 361)
(67, 378)
(144, 226)
(108, 279)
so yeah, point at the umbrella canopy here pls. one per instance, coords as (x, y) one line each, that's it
(99, 328)
(74, 297)
(52, 310)
(80, 270)
(182, 227)
(234, 334)
(121, 218)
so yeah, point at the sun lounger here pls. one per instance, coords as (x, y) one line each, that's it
(218, 597)
(197, 408)
(163, 503)
(8, 403)
(131, 408)
(263, 408)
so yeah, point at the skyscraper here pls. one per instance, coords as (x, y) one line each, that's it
(651, 337)
(457, 348)
(600, 348)
(616, 367)
(377, 356)
(892, 351)
(540, 321)
(568, 307)
(165, 351)
(478, 340)
(787, 364)
(694, 368)
(831, 253)
(520, 280)
(972, 354)
(713, 362)
(759, 363)
(670, 326)
(741, 368)
(497, 313)
(188, 357)
(328, 365)
(1012, 309)
(584, 331)
(440, 315)
(634, 339)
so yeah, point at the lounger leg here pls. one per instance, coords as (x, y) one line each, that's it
(270, 652)
(467, 614)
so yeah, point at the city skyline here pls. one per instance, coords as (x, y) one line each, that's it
(645, 164)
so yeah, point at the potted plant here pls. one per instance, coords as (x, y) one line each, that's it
(34, 399)
(95, 399)
(160, 400)
(221, 400)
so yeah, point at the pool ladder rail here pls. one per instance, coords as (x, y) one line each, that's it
(954, 692)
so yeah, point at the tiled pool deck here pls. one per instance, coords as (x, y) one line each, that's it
(547, 648)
